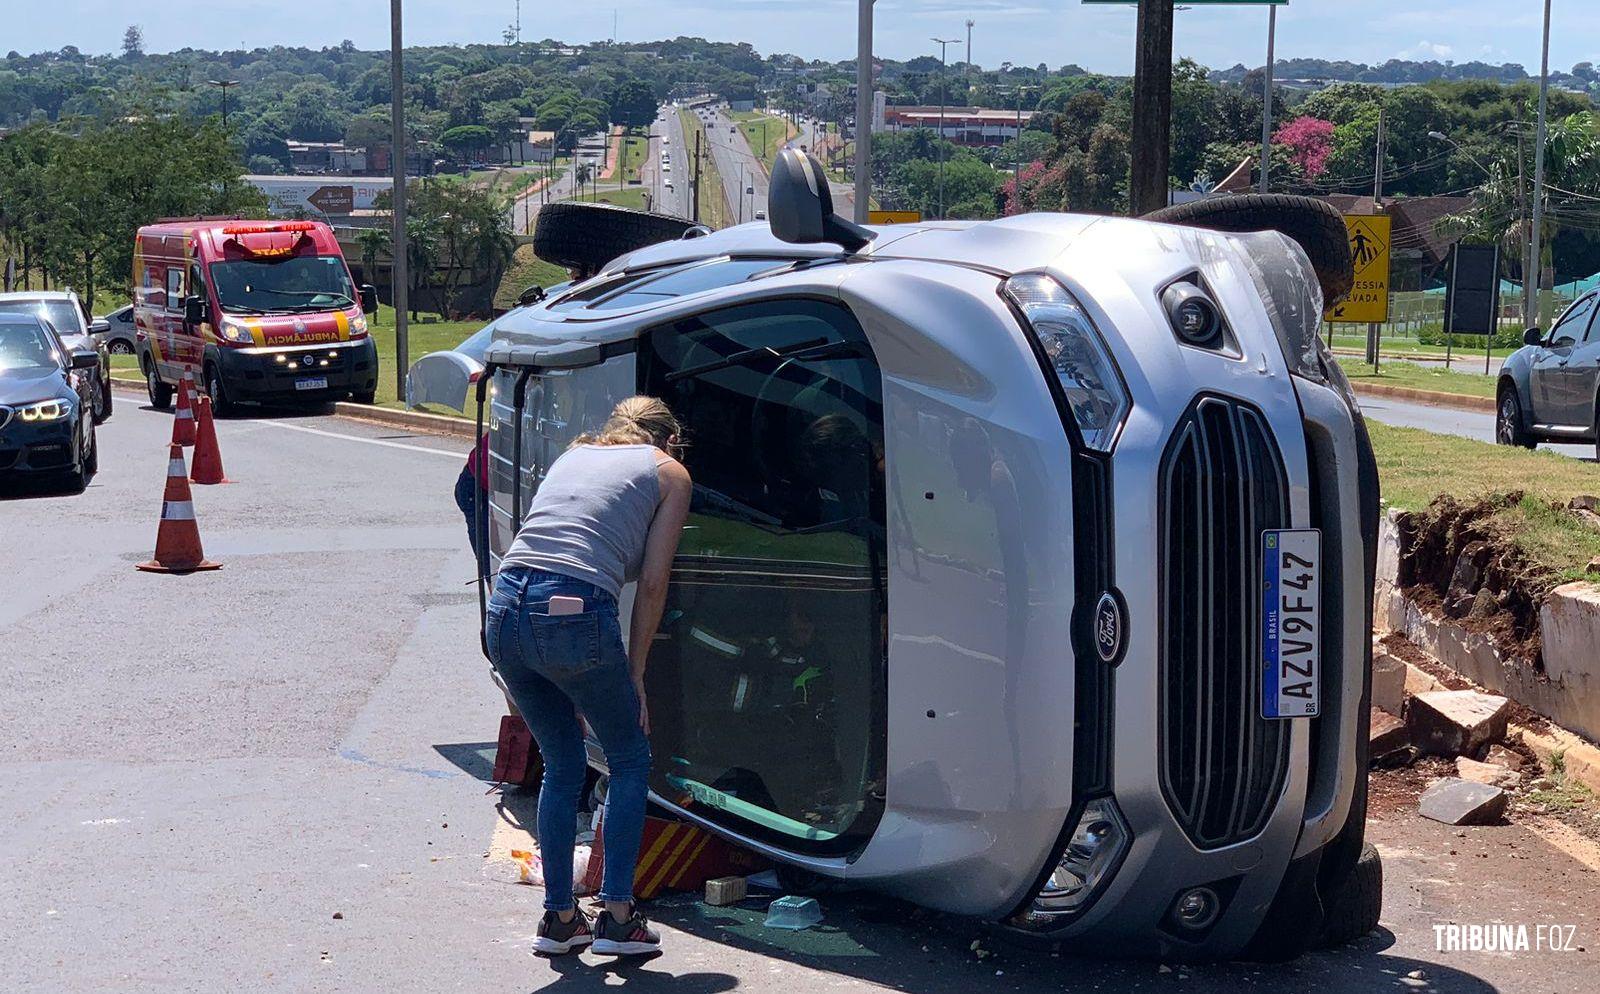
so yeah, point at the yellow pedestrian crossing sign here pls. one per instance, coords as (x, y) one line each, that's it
(1369, 251)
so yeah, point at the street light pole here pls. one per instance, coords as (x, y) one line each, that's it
(225, 84)
(943, 47)
(864, 103)
(1266, 98)
(1538, 162)
(398, 276)
(1152, 107)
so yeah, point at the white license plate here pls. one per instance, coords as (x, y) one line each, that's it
(1291, 623)
(316, 383)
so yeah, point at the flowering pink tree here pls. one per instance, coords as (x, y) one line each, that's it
(1310, 143)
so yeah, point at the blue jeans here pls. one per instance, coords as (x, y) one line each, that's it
(468, 499)
(554, 667)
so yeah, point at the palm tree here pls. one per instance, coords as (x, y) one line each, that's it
(373, 241)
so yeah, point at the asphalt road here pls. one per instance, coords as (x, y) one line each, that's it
(1452, 421)
(272, 777)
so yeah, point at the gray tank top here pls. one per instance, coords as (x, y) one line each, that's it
(591, 516)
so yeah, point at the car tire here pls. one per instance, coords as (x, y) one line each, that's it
(364, 396)
(91, 463)
(584, 237)
(160, 393)
(1510, 427)
(221, 406)
(119, 347)
(102, 412)
(1355, 905)
(1316, 226)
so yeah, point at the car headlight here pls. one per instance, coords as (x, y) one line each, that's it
(358, 325)
(1293, 300)
(1077, 354)
(1099, 841)
(233, 331)
(44, 410)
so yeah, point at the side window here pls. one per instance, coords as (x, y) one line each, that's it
(197, 279)
(768, 680)
(1569, 330)
(174, 288)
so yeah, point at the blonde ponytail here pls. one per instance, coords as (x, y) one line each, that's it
(638, 420)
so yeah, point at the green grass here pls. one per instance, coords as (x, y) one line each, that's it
(1409, 374)
(525, 270)
(1414, 466)
(713, 199)
(1399, 345)
(777, 131)
(628, 196)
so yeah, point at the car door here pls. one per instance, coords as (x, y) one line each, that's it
(1581, 376)
(1550, 390)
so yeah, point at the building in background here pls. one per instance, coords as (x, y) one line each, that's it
(962, 125)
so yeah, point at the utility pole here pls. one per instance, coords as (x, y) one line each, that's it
(397, 159)
(943, 44)
(695, 185)
(1152, 107)
(1530, 316)
(864, 105)
(1266, 98)
(1535, 237)
(1377, 205)
(966, 75)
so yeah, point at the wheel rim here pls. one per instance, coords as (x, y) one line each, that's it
(120, 348)
(1508, 414)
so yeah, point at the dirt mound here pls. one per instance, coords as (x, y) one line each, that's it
(1457, 558)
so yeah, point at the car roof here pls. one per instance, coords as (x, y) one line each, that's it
(40, 295)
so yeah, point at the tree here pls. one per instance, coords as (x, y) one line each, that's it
(1309, 141)
(633, 104)
(374, 242)
(466, 139)
(133, 42)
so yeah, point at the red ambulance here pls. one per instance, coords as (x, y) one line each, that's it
(256, 310)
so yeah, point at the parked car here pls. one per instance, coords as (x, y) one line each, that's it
(46, 405)
(120, 332)
(64, 312)
(1029, 569)
(1549, 390)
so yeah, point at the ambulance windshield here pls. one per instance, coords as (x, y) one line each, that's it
(299, 283)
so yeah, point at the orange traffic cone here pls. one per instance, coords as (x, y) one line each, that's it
(178, 538)
(183, 417)
(207, 456)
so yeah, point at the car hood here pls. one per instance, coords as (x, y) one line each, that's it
(24, 386)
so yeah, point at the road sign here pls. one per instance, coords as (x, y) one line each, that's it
(1472, 303)
(333, 199)
(893, 217)
(1369, 250)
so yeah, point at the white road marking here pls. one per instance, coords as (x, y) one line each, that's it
(357, 438)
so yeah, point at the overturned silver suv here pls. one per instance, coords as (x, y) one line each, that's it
(1029, 569)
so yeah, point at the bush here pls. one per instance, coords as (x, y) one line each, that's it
(1505, 338)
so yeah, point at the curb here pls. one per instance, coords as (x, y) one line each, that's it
(1436, 398)
(436, 424)
(1580, 759)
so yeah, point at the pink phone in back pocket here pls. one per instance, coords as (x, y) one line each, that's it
(563, 605)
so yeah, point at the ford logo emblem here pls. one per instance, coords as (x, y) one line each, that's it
(1108, 628)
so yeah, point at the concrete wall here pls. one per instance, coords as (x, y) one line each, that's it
(1567, 692)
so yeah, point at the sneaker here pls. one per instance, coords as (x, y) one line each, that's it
(556, 937)
(633, 937)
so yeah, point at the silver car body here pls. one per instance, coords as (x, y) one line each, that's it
(983, 768)
(1557, 382)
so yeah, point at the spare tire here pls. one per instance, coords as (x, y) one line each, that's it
(585, 237)
(1314, 224)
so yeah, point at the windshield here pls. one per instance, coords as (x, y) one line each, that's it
(26, 346)
(300, 283)
(63, 314)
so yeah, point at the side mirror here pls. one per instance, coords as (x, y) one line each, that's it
(99, 325)
(800, 205)
(1533, 336)
(532, 295)
(195, 310)
(85, 360)
(369, 298)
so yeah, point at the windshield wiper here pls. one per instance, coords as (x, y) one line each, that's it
(304, 293)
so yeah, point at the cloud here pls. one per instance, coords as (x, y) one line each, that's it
(1426, 50)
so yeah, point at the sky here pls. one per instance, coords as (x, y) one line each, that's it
(1027, 32)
